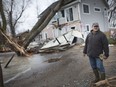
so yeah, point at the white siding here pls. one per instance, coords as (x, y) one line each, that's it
(94, 16)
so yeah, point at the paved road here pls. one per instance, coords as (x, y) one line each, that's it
(72, 70)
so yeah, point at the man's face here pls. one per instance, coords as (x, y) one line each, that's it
(95, 28)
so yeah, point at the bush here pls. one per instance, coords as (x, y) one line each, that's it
(111, 41)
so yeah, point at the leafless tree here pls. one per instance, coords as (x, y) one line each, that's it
(112, 13)
(14, 10)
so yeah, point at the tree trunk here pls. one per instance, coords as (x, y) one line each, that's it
(3, 16)
(39, 26)
(13, 45)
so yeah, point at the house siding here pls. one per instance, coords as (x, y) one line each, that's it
(94, 16)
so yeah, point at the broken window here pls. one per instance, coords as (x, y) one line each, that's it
(62, 13)
(73, 28)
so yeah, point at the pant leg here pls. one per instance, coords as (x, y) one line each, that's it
(100, 65)
(93, 63)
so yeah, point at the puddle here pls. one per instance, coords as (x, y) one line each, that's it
(53, 60)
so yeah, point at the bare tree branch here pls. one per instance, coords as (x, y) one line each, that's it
(24, 6)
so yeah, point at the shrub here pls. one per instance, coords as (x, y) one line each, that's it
(111, 41)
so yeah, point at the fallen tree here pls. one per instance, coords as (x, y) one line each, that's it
(13, 45)
(46, 16)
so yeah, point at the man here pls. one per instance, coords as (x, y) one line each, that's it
(96, 44)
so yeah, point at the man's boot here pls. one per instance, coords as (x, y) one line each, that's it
(97, 77)
(102, 74)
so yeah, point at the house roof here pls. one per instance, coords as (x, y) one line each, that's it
(72, 2)
(23, 33)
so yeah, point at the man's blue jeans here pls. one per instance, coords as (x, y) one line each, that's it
(97, 63)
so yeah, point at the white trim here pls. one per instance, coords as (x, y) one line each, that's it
(79, 13)
(83, 8)
(105, 12)
(97, 8)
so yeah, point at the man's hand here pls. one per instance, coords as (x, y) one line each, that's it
(105, 57)
(84, 54)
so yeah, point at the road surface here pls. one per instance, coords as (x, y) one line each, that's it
(71, 70)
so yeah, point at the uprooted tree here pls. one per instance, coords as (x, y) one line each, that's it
(46, 16)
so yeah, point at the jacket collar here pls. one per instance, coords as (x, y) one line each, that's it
(96, 32)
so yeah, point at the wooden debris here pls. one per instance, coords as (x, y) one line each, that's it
(110, 82)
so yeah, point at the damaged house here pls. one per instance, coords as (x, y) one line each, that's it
(77, 15)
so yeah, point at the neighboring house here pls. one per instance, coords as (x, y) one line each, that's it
(21, 36)
(79, 15)
(46, 35)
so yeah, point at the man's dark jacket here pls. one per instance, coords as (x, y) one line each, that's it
(96, 44)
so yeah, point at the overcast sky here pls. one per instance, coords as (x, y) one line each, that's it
(30, 15)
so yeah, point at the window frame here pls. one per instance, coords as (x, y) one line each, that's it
(67, 10)
(97, 8)
(83, 8)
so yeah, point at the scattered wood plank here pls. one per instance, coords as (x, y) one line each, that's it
(110, 82)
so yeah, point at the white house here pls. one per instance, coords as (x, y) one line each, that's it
(79, 15)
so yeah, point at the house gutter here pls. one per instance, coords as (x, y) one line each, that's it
(70, 4)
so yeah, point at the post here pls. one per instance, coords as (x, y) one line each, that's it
(9, 61)
(1, 77)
